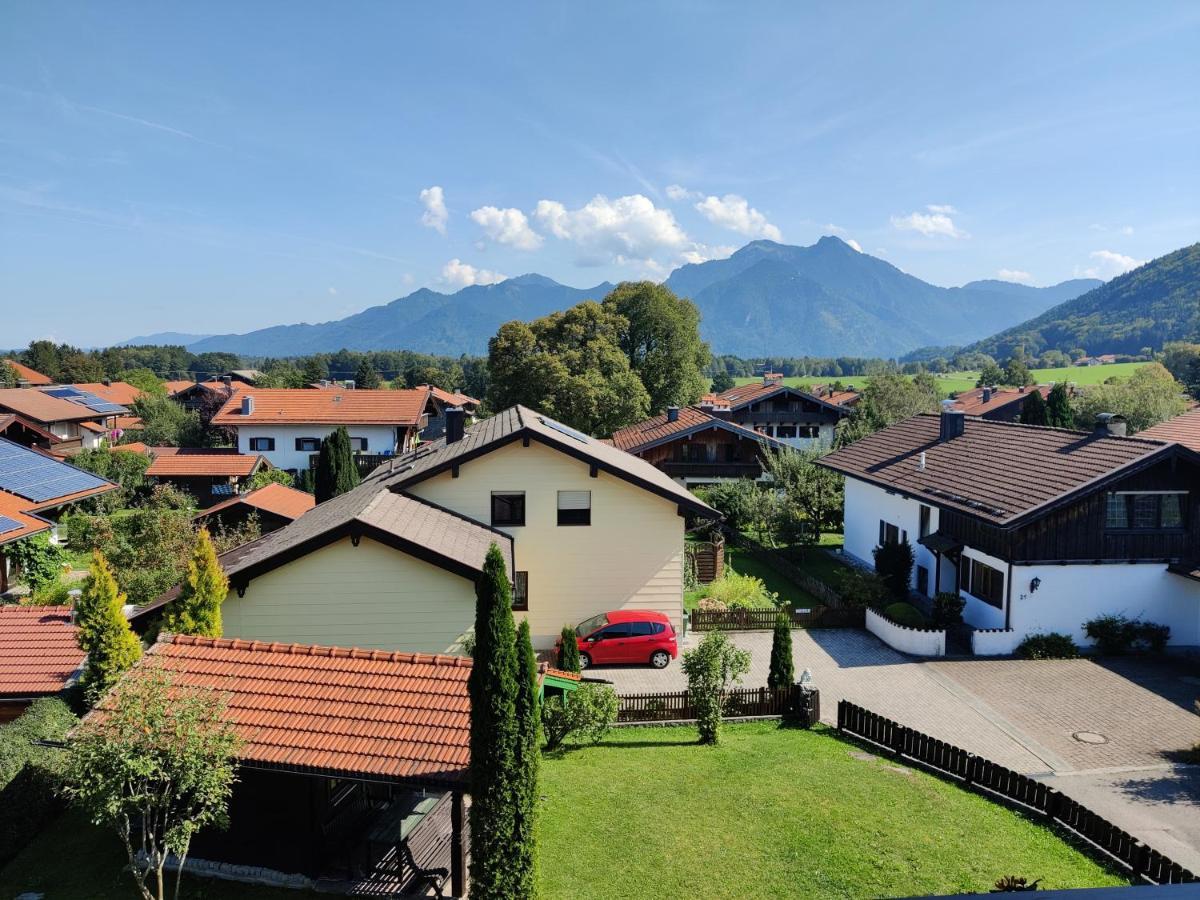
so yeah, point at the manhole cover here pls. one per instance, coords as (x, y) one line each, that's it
(1089, 737)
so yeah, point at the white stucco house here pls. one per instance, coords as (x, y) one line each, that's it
(1039, 529)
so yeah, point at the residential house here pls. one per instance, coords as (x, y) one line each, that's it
(39, 655)
(695, 446)
(441, 400)
(27, 377)
(392, 564)
(120, 393)
(21, 431)
(78, 420)
(33, 487)
(1000, 404)
(286, 425)
(274, 505)
(1039, 529)
(790, 415)
(1182, 429)
(174, 387)
(241, 376)
(209, 475)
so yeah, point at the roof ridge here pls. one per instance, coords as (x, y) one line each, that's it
(321, 650)
(1058, 428)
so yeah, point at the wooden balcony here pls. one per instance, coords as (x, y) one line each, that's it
(712, 469)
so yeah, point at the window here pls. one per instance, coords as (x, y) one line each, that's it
(619, 630)
(308, 445)
(520, 596)
(808, 431)
(574, 507)
(888, 533)
(359, 444)
(981, 581)
(785, 431)
(641, 629)
(508, 508)
(1146, 511)
(262, 444)
(923, 581)
(926, 515)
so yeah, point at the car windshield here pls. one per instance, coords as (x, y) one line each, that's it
(583, 629)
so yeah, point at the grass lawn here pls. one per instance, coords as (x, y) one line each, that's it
(777, 812)
(72, 860)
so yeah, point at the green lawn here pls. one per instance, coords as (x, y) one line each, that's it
(777, 812)
(72, 860)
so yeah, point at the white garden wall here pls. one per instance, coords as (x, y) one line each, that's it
(994, 642)
(914, 641)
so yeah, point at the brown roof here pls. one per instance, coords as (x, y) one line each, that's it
(41, 407)
(278, 499)
(298, 406)
(38, 651)
(1183, 429)
(448, 398)
(7, 420)
(28, 375)
(745, 394)
(656, 430)
(121, 392)
(333, 710)
(185, 461)
(174, 387)
(971, 402)
(1001, 472)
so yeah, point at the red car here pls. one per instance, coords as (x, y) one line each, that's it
(627, 636)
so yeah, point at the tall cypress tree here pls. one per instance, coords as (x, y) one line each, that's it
(568, 650)
(197, 609)
(493, 687)
(103, 632)
(529, 752)
(336, 470)
(1058, 407)
(782, 672)
(1034, 411)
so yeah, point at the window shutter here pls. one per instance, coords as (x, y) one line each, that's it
(574, 499)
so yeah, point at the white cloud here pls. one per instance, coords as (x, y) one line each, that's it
(679, 192)
(834, 229)
(934, 223)
(459, 274)
(1108, 264)
(627, 228)
(699, 253)
(855, 244)
(736, 214)
(1016, 275)
(507, 226)
(436, 215)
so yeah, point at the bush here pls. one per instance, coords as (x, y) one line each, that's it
(741, 502)
(1047, 646)
(57, 593)
(39, 560)
(1116, 634)
(711, 668)
(894, 564)
(568, 650)
(29, 781)
(948, 609)
(741, 591)
(863, 588)
(584, 715)
(905, 614)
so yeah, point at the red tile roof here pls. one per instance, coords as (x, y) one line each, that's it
(17, 509)
(971, 402)
(299, 406)
(185, 461)
(745, 394)
(279, 499)
(174, 387)
(121, 392)
(334, 710)
(132, 447)
(1183, 429)
(448, 398)
(656, 429)
(38, 651)
(28, 375)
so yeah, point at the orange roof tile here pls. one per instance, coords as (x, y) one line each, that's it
(278, 499)
(449, 398)
(132, 447)
(333, 710)
(121, 392)
(174, 387)
(299, 406)
(28, 375)
(17, 509)
(656, 429)
(1183, 429)
(185, 461)
(38, 651)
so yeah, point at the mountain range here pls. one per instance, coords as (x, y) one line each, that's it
(767, 299)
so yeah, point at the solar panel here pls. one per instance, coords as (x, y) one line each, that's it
(103, 406)
(86, 399)
(7, 525)
(64, 393)
(564, 429)
(38, 478)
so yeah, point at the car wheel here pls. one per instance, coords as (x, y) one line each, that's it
(660, 659)
(585, 661)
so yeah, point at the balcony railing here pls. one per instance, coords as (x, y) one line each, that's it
(366, 462)
(712, 469)
(783, 417)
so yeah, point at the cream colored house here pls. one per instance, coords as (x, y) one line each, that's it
(585, 528)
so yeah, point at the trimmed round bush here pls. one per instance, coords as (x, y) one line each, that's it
(1047, 646)
(905, 614)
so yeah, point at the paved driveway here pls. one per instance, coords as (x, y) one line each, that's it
(1105, 733)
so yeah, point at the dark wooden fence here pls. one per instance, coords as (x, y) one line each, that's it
(764, 619)
(678, 706)
(776, 560)
(981, 774)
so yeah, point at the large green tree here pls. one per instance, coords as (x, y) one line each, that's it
(1033, 410)
(494, 777)
(528, 763)
(1148, 396)
(365, 376)
(336, 471)
(102, 630)
(886, 400)
(197, 609)
(1058, 407)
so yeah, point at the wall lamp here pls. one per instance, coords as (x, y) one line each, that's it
(1034, 585)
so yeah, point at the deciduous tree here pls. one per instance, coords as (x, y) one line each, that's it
(711, 668)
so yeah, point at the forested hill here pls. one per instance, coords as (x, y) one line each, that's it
(1153, 304)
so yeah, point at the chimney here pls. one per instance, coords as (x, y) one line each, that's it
(987, 395)
(921, 462)
(455, 420)
(1110, 425)
(227, 380)
(248, 405)
(953, 422)
(672, 413)
(772, 377)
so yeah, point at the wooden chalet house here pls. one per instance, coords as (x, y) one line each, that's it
(787, 414)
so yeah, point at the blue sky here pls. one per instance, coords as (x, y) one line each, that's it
(225, 166)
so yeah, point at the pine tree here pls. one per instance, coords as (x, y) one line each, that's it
(494, 738)
(197, 609)
(103, 632)
(336, 470)
(366, 377)
(528, 761)
(782, 672)
(568, 651)
(1058, 407)
(1034, 410)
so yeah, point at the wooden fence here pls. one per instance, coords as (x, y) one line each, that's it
(784, 566)
(981, 774)
(764, 619)
(663, 707)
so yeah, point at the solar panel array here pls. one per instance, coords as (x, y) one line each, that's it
(564, 429)
(7, 525)
(86, 399)
(39, 478)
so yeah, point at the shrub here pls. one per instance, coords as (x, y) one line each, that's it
(1047, 646)
(1116, 634)
(711, 668)
(948, 609)
(29, 782)
(782, 672)
(57, 593)
(863, 588)
(585, 715)
(741, 591)
(1152, 637)
(39, 560)
(905, 614)
(894, 563)
(568, 650)
(740, 502)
